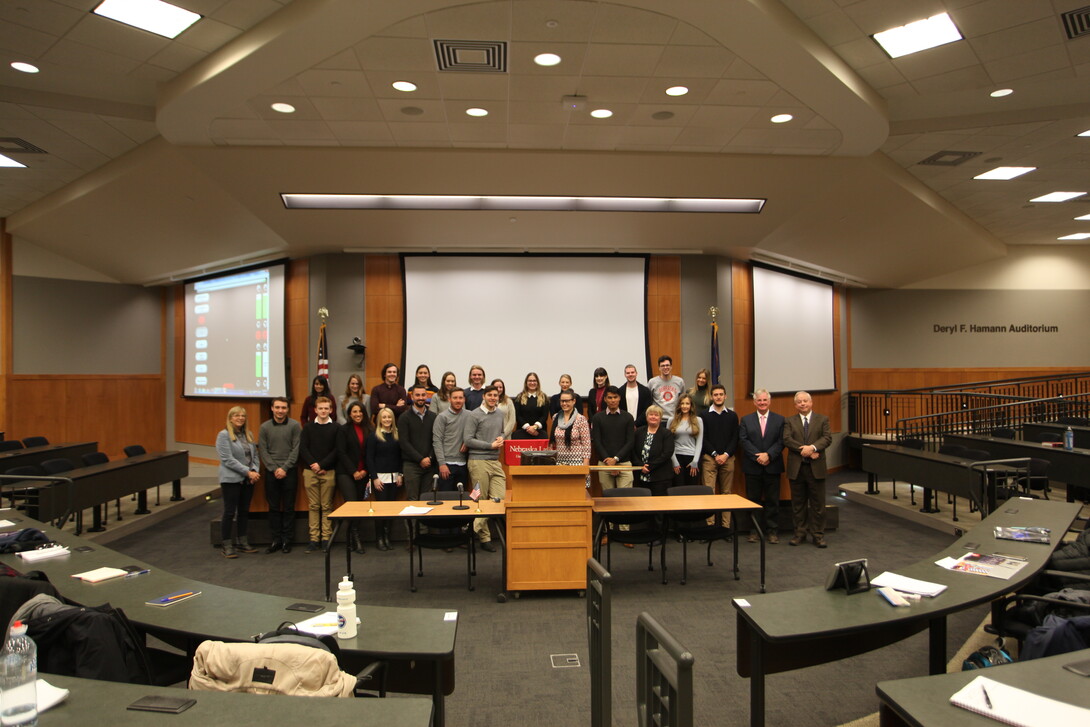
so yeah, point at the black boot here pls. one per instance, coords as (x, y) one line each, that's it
(356, 540)
(380, 536)
(385, 530)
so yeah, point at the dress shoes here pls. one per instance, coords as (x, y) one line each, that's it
(486, 545)
(273, 547)
(798, 539)
(753, 538)
(773, 538)
(312, 547)
(286, 548)
(628, 545)
(819, 541)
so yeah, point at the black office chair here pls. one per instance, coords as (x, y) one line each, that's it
(1014, 616)
(954, 450)
(57, 466)
(643, 529)
(1004, 433)
(693, 527)
(29, 489)
(8, 445)
(35, 441)
(1035, 478)
(443, 533)
(93, 458)
(1045, 437)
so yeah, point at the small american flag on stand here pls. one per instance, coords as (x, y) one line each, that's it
(323, 353)
(476, 494)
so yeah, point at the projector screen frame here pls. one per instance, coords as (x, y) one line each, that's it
(283, 263)
(408, 370)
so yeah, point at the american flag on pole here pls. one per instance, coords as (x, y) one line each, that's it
(323, 353)
(476, 494)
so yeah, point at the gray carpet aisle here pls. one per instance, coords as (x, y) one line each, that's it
(504, 674)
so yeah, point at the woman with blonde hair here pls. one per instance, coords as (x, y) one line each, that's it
(654, 452)
(239, 470)
(531, 409)
(506, 407)
(688, 440)
(383, 460)
(353, 392)
(702, 392)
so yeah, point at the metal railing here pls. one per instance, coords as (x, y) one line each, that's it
(28, 496)
(880, 412)
(986, 419)
(664, 677)
(600, 644)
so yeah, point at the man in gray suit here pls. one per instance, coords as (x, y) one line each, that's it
(806, 436)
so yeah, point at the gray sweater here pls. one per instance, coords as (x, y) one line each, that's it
(482, 428)
(279, 444)
(447, 437)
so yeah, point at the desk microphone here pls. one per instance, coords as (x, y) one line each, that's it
(434, 486)
(460, 506)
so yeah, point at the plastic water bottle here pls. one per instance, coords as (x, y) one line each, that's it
(1069, 439)
(346, 610)
(18, 679)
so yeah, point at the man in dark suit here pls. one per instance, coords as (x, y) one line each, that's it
(761, 434)
(635, 397)
(806, 436)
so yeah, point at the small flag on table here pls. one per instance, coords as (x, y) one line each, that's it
(476, 494)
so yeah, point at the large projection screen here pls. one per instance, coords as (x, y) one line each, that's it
(234, 335)
(516, 314)
(792, 333)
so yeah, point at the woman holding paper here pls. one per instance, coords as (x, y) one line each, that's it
(384, 468)
(239, 470)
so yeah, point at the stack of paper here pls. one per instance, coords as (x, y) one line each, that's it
(33, 556)
(98, 575)
(1015, 706)
(908, 585)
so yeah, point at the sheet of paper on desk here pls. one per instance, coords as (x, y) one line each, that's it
(33, 556)
(908, 585)
(994, 565)
(415, 510)
(98, 575)
(1015, 706)
(49, 695)
(6, 523)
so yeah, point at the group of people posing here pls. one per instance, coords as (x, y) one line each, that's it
(396, 440)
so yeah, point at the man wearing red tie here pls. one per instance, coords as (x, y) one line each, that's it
(761, 435)
(806, 436)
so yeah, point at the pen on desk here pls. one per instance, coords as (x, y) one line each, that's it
(180, 595)
(987, 699)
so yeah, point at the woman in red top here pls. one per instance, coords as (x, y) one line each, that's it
(595, 397)
(351, 470)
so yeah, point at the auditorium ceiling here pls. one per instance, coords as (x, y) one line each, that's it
(149, 159)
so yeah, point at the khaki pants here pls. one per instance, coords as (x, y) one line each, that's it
(624, 479)
(488, 473)
(319, 489)
(718, 477)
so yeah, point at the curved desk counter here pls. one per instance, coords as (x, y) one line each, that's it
(794, 629)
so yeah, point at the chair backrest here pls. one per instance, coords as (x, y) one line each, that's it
(91, 458)
(30, 470)
(1004, 433)
(1038, 467)
(57, 466)
(134, 449)
(690, 490)
(1049, 437)
(279, 668)
(35, 441)
(977, 454)
(442, 526)
(8, 445)
(626, 492)
(954, 450)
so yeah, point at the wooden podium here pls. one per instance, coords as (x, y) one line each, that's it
(549, 528)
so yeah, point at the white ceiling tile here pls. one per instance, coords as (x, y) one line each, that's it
(621, 60)
(993, 15)
(881, 75)
(685, 62)
(88, 59)
(654, 135)
(970, 78)
(834, 28)
(207, 34)
(938, 60)
(340, 108)
(22, 43)
(483, 21)
(47, 17)
(538, 113)
(396, 54)
(685, 34)
(534, 88)
(861, 52)
(1020, 39)
(873, 16)
(1026, 65)
(601, 89)
(739, 69)
(176, 57)
(414, 27)
(344, 60)
(725, 116)
(434, 111)
(138, 131)
(245, 14)
(682, 114)
(97, 134)
(482, 86)
(334, 83)
(735, 92)
(570, 20)
(808, 9)
(152, 73)
(619, 24)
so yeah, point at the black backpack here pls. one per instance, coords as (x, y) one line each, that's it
(19, 540)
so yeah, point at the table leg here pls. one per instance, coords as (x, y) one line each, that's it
(734, 541)
(176, 491)
(928, 493)
(328, 547)
(756, 680)
(141, 503)
(936, 646)
(872, 483)
(501, 597)
(439, 718)
(96, 520)
(761, 535)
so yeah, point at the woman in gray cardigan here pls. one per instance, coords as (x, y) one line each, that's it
(239, 470)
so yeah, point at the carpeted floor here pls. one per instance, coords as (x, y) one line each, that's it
(503, 662)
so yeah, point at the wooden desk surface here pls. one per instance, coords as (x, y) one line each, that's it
(93, 703)
(677, 503)
(394, 508)
(924, 701)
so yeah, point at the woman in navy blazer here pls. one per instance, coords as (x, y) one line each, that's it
(653, 452)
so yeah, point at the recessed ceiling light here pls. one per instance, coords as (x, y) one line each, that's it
(152, 15)
(477, 112)
(677, 91)
(24, 67)
(1083, 217)
(1001, 92)
(546, 59)
(781, 118)
(1085, 133)
(9, 162)
(1076, 236)
(284, 108)
(601, 113)
(1057, 196)
(1005, 173)
(406, 86)
(920, 35)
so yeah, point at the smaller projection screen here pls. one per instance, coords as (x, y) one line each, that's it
(792, 333)
(513, 314)
(234, 335)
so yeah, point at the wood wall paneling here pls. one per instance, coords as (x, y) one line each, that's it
(384, 312)
(898, 379)
(664, 311)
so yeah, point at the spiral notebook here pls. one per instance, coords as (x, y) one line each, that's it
(1014, 706)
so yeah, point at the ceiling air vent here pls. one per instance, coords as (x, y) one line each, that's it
(472, 56)
(11, 145)
(949, 158)
(1077, 22)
